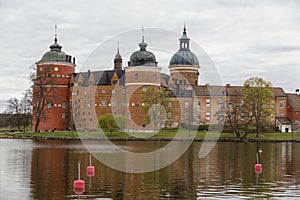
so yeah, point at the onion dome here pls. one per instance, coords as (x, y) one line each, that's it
(142, 57)
(184, 56)
(55, 54)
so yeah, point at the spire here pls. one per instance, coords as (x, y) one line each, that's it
(118, 59)
(142, 34)
(55, 46)
(118, 52)
(55, 31)
(184, 40)
(143, 45)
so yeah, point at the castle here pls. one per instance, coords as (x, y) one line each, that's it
(65, 100)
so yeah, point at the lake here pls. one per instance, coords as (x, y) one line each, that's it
(46, 169)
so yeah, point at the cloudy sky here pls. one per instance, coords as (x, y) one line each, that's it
(242, 38)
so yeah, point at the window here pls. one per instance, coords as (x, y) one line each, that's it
(155, 77)
(103, 102)
(186, 104)
(113, 102)
(91, 103)
(144, 88)
(229, 104)
(207, 102)
(85, 91)
(220, 102)
(128, 115)
(123, 90)
(136, 77)
(84, 105)
(281, 115)
(281, 104)
(272, 117)
(169, 115)
(63, 105)
(186, 115)
(170, 104)
(207, 115)
(123, 102)
(103, 91)
(77, 92)
(48, 104)
(199, 102)
(199, 115)
(113, 91)
(63, 115)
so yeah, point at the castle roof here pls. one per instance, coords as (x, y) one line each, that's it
(228, 90)
(294, 101)
(100, 77)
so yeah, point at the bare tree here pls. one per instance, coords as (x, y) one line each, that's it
(14, 108)
(43, 90)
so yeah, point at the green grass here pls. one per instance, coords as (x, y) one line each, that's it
(163, 134)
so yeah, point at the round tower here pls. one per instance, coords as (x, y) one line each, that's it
(51, 105)
(184, 65)
(142, 71)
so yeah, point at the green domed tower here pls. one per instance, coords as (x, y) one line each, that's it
(184, 65)
(51, 100)
(142, 71)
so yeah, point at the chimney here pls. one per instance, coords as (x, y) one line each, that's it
(74, 60)
(297, 92)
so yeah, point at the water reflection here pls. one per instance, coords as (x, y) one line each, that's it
(46, 170)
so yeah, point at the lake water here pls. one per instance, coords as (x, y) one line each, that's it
(46, 169)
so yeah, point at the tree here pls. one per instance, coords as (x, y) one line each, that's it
(26, 107)
(237, 120)
(110, 122)
(14, 108)
(19, 111)
(258, 100)
(43, 90)
(154, 102)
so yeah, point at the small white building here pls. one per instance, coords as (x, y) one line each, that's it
(284, 125)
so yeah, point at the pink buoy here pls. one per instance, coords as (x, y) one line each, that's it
(90, 170)
(258, 168)
(79, 185)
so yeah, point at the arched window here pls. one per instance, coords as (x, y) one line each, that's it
(144, 88)
(49, 104)
(154, 77)
(136, 76)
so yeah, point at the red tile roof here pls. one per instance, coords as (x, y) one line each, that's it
(294, 101)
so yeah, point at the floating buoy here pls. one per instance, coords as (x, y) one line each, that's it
(90, 170)
(258, 168)
(79, 185)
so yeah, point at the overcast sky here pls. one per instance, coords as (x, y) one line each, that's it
(242, 38)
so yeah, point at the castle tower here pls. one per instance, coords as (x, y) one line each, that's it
(51, 90)
(184, 65)
(118, 60)
(141, 72)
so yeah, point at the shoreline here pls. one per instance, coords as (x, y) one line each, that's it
(247, 140)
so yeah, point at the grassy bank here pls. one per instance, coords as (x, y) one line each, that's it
(163, 134)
